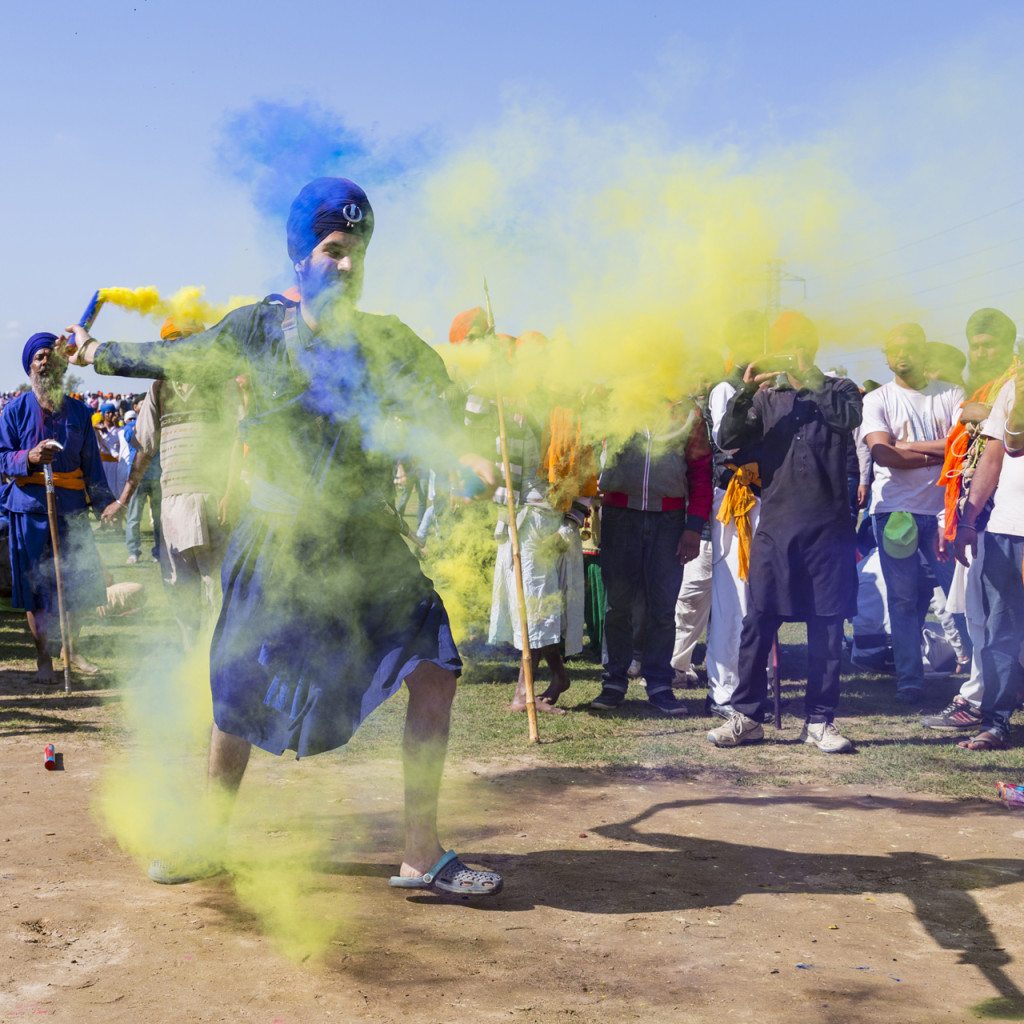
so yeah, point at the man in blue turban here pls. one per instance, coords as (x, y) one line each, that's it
(326, 610)
(29, 425)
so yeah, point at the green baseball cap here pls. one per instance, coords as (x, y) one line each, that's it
(900, 535)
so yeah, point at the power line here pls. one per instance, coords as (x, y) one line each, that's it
(931, 266)
(998, 295)
(945, 285)
(928, 238)
(972, 277)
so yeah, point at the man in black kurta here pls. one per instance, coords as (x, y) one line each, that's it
(802, 562)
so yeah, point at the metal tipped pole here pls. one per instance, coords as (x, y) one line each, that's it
(513, 539)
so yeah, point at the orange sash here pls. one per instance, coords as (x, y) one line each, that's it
(71, 480)
(958, 442)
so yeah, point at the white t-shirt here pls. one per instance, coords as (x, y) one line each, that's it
(718, 401)
(1008, 500)
(908, 415)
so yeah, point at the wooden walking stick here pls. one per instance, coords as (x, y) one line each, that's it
(51, 515)
(513, 539)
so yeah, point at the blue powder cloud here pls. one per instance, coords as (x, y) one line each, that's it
(275, 148)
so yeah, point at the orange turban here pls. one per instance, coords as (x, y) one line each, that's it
(792, 330)
(171, 330)
(469, 325)
(531, 338)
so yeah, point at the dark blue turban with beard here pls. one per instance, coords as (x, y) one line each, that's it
(324, 206)
(33, 345)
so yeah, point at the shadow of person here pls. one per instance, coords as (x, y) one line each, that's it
(688, 873)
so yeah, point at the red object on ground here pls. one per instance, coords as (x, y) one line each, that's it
(49, 758)
(1011, 795)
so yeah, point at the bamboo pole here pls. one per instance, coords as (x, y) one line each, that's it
(513, 539)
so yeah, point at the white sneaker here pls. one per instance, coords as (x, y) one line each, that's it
(826, 737)
(633, 672)
(738, 729)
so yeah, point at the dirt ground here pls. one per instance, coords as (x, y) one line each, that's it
(629, 896)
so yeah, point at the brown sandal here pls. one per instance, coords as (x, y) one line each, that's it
(985, 741)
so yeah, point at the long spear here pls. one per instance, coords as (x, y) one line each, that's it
(513, 539)
(62, 613)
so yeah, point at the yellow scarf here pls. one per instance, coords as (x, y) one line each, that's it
(737, 504)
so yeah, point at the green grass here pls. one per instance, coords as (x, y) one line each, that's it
(894, 752)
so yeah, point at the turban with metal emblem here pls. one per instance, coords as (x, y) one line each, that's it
(324, 206)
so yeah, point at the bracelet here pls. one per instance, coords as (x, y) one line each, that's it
(1016, 433)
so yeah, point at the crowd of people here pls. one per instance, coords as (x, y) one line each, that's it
(774, 492)
(788, 494)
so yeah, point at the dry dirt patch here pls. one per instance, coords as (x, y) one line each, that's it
(630, 896)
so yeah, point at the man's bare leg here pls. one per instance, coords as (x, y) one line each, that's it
(425, 744)
(229, 756)
(559, 675)
(546, 700)
(44, 662)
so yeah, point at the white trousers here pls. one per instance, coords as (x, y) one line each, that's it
(729, 598)
(974, 610)
(693, 606)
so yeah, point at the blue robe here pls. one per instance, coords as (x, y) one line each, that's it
(23, 424)
(325, 608)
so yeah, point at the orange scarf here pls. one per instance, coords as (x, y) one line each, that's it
(567, 460)
(70, 480)
(958, 443)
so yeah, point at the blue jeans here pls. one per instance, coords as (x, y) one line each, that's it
(908, 595)
(1002, 594)
(639, 559)
(132, 534)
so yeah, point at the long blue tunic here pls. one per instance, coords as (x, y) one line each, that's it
(325, 608)
(23, 424)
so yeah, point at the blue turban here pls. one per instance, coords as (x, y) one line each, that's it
(323, 206)
(108, 407)
(34, 344)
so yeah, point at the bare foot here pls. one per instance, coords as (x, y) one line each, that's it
(44, 672)
(81, 665)
(554, 691)
(519, 704)
(420, 862)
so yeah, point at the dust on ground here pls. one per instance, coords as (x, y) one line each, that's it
(630, 895)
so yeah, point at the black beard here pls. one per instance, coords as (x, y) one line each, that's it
(48, 390)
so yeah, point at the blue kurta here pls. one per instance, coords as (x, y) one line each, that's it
(325, 609)
(23, 424)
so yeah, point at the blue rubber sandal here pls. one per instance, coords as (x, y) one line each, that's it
(450, 875)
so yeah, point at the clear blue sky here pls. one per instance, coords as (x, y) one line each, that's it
(115, 112)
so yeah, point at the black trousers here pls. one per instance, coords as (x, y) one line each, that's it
(824, 651)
